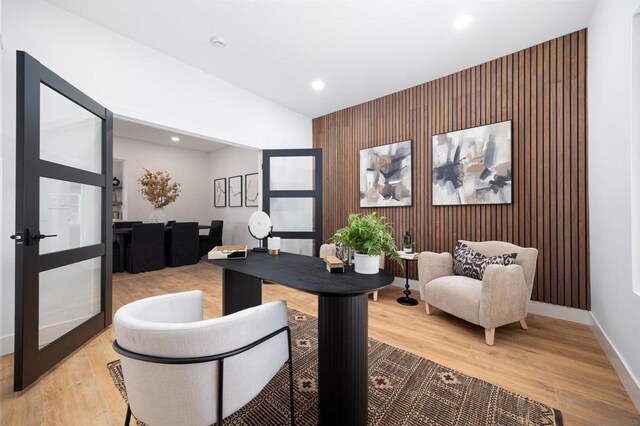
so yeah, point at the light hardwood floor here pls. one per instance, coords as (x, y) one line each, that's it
(556, 362)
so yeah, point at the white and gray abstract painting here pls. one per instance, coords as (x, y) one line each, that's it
(473, 166)
(385, 175)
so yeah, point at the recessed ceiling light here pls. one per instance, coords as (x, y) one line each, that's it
(175, 139)
(218, 42)
(317, 85)
(462, 21)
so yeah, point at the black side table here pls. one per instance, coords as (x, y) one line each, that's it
(406, 300)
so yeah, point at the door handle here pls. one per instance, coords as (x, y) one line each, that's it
(18, 237)
(39, 236)
(27, 238)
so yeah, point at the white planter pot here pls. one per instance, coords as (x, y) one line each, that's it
(365, 264)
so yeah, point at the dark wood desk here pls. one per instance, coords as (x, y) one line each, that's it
(120, 236)
(342, 322)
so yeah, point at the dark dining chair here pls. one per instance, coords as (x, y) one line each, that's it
(117, 246)
(208, 242)
(182, 244)
(170, 222)
(146, 251)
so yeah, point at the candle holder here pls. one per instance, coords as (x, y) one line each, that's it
(273, 246)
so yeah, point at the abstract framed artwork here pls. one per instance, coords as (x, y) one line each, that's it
(251, 190)
(385, 175)
(473, 166)
(220, 192)
(235, 191)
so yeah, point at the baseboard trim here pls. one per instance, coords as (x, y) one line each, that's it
(48, 334)
(629, 381)
(400, 282)
(6, 345)
(560, 312)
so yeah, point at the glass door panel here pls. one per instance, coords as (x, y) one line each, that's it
(292, 214)
(71, 211)
(69, 134)
(297, 246)
(292, 173)
(69, 296)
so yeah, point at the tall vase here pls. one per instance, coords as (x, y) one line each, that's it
(344, 253)
(158, 216)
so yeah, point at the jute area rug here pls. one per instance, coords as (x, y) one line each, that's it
(404, 389)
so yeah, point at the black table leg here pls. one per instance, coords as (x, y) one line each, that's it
(342, 359)
(239, 291)
(406, 300)
(122, 241)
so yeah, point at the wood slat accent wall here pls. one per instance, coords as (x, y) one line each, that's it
(543, 90)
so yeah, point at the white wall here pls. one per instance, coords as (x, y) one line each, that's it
(187, 166)
(133, 81)
(138, 82)
(223, 163)
(615, 306)
(635, 151)
(2, 261)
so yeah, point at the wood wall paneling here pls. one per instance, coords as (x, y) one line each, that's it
(543, 90)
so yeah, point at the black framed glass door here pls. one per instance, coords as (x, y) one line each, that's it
(292, 197)
(63, 193)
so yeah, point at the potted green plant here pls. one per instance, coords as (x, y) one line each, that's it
(369, 236)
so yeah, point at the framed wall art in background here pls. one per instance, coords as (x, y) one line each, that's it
(473, 166)
(251, 190)
(385, 175)
(220, 192)
(235, 191)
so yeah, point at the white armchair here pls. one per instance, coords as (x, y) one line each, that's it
(502, 297)
(174, 362)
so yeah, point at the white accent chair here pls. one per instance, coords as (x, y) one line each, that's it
(501, 297)
(174, 362)
(330, 250)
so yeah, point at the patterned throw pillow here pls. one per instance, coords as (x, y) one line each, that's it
(472, 264)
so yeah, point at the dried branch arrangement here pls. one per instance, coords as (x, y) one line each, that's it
(158, 189)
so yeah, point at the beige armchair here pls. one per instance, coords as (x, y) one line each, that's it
(330, 250)
(502, 297)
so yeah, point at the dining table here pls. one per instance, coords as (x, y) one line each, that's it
(120, 235)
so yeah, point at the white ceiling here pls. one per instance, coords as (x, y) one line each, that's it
(143, 132)
(361, 49)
